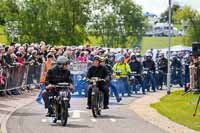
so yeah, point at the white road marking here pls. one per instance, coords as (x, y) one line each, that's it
(44, 120)
(93, 120)
(75, 120)
(76, 113)
(113, 120)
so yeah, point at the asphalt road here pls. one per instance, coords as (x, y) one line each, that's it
(118, 119)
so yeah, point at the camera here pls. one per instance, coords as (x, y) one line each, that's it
(196, 49)
(118, 73)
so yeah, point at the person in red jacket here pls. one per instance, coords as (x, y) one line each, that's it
(19, 58)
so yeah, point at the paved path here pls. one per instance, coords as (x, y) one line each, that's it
(118, 119)
(8, 104)
(142, 108)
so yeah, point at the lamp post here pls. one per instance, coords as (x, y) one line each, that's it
(169, 51)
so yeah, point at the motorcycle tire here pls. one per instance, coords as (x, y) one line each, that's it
(64, 113)
(94, 104)
(100, 103)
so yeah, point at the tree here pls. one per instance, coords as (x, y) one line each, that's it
(118, 23)
(191, 20)
(165, 14)
(8, 11)
(56, 22)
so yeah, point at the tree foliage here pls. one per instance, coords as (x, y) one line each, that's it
(165, 14)
(117, 22)
(71, 22)
(57, 22)
(8, 10)
(191, 18)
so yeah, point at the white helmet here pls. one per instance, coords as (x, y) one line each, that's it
(62, 60)
(148, 54)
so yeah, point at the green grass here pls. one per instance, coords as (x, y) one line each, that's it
(159, 42)
(148, 42)
(180, 108)
(3, 37)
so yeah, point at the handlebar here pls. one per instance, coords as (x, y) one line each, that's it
(134, 74)
(59, 85)
(95, 79)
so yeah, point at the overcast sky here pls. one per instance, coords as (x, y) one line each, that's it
(158, 6)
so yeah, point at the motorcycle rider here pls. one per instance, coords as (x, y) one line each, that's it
(149, 64)
(57, 74)
(136, 66)
(176, 70)
(100, 71)
(163, 69)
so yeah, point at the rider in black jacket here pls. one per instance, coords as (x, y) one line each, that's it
(163, 69)
(58, 74)
(100, 71)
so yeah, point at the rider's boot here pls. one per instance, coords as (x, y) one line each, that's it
(55, 120)
(119, 99)
(105, 107)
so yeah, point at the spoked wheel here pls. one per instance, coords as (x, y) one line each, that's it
(94, 103)
(54, 111)
(64, 113)
(94, 106)
(100, 103)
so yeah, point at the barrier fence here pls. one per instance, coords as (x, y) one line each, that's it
(79, 71)
(24, 76)
(194, 77)
(18, 77)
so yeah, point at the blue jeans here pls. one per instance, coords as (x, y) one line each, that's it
(135, 87)
(39, 98)
(150, 78)
(176, 77)
(114, 84)
(80, 84)
(125, 86)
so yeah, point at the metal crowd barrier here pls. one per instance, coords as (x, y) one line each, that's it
(18, 77)
(194, 78)
(79, 71)
(2, 78)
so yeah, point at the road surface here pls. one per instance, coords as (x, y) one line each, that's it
(118, 119)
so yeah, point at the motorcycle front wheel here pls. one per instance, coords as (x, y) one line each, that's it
(94, 103)
(64, 113)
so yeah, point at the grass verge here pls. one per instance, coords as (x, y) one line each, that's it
(180, 109)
